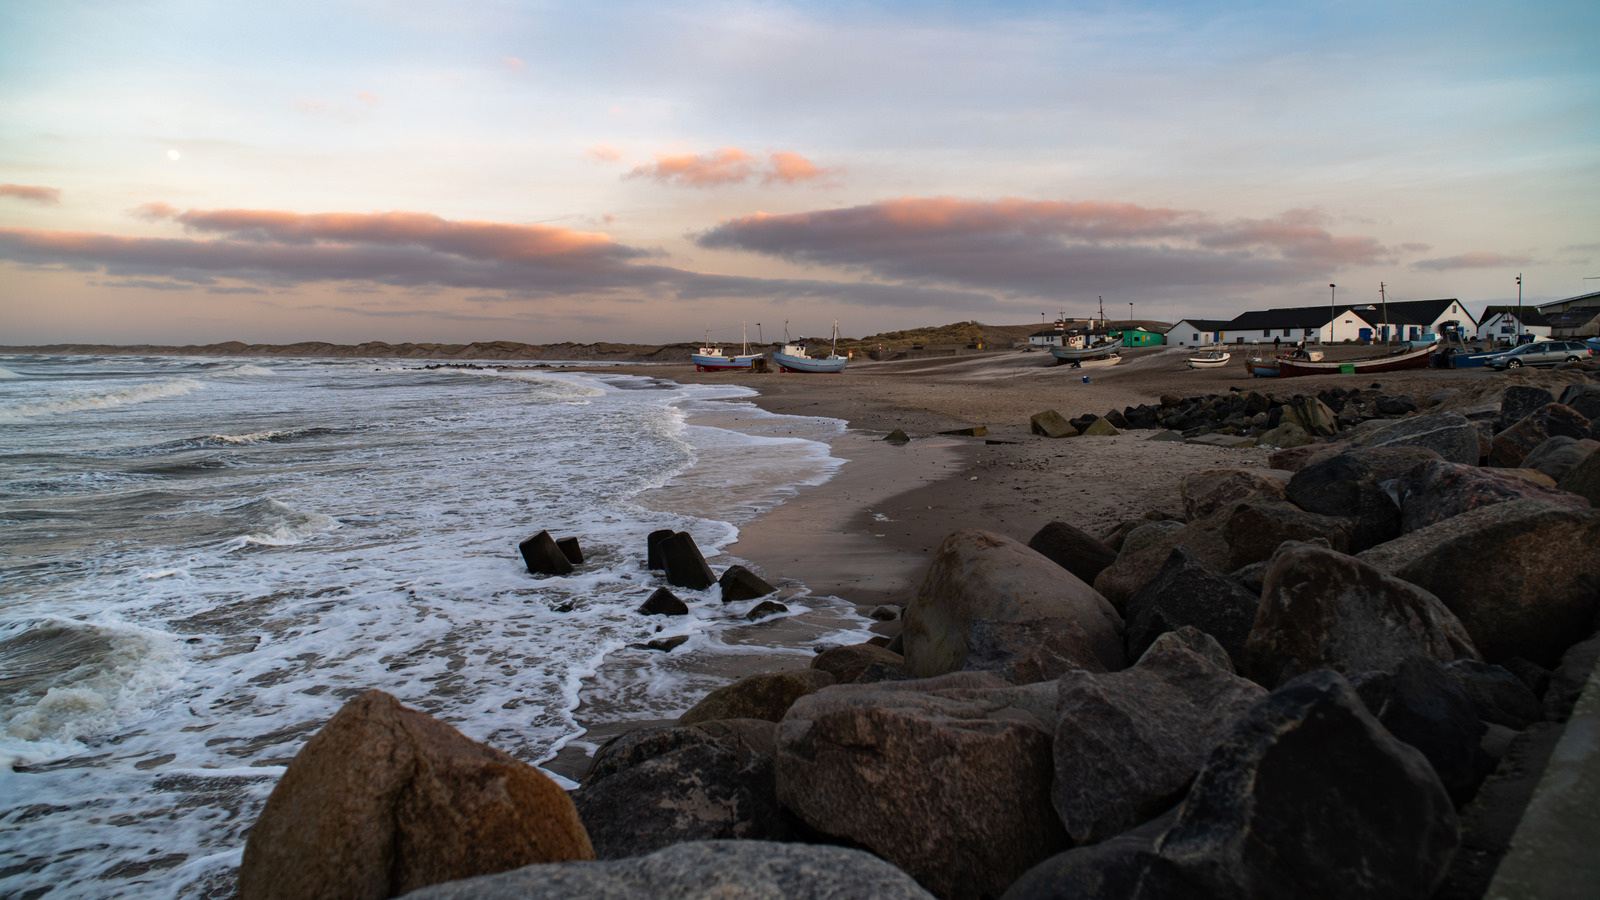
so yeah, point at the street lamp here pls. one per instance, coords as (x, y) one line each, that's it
(1519, 307)
(1333, 315)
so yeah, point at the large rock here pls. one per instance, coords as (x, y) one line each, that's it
(1513, 445)
(1323, 609)
(685, 567)
(845, 664)
(663, 602)
(1051, 424)
(1196, 641)
(543, 556)
(1436, 490)
(1031, 650)
(1523, 577)
(700, 870)
(1500, 697)
(1308, 796)
(980, 575)
(947, 778)
(1424, 707)
(1287, 435)
(385, 800)
(700, 784)
(1121, 868)
(1206, 492)
(1450, 435)
(1584, 479)
(1518, 401)
(1128, 743)
(1186, 591)
(1311, 414)
(1345, 485)
(739, 583)
(767, 695)
(1560, 455)
(1073, 549)
(1585, 398)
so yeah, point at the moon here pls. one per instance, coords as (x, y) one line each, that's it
(172, 155)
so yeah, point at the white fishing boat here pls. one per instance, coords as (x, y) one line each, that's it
(1212, 360)
(793, 357)
(712, 359)
(1085, 354)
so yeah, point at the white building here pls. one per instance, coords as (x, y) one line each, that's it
(1196, 332)
(1504, 323)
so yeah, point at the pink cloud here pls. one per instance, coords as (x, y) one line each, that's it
(33, 193)
(512, 63)
(1476, 260)
(727, 165)
(790, 168)
(604, 152)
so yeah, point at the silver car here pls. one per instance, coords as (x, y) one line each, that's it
(1540, 353)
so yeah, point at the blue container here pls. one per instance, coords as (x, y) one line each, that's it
(1085, 379)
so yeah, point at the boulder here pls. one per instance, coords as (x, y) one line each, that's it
(1116, 537)
(1448, 434)
(1436, 490)
(1204, 493)
(1051, 424)
(845, 664)
(980, 575)
(897, 437)
(1560, 455)
(1585, 398)
(1425, 708)
(1346, 486)
(1570, 677)
(700, 870)
(1193, 639)
(685, 567)
(700, 789)
(1145, 551)
(1513, 445)
(1117, 420)
(543, 557)
(653, 548)
(1031, 650)
(1518, 401)
(1286, 435)
(1100, 428)
(1128, 743)
(571, 549)
(1584, 479)
(1253, 530)
(739, 583)
(767, 695)
(947, 778)
(1309, 796)
(1522, 576)
(1188, 591)
(1073, 550)
(747, 739)
(1323, 609)
(765, 609)
(1500, 697)
(385, 799)
(664, 603)
(1121, 868)
(1311, 414)
(1399, 405)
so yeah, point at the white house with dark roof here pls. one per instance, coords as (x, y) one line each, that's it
(1504, 323)
(1405, 320)
(1196, 332)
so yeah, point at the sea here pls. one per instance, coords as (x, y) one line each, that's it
(202, 559)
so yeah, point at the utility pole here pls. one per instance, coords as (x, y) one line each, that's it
(1333, 315)
(1385, 315)
(1519, 307)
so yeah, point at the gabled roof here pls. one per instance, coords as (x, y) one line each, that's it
(1398, 312)
(1527, 315)
(1296, 317)
(1203, 324)
(1417, 312)
(1581, 298)
(1575, 317)
(1049, 332)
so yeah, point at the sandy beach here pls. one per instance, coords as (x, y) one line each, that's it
(866, 534)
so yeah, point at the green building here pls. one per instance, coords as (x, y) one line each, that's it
(1138, 337)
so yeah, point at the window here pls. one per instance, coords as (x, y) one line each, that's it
(1266, 332)
(1196, 336)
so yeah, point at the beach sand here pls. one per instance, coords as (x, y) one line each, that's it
(866, 535)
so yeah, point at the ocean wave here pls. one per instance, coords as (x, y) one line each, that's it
(142, 393)
(275, 524)
(243, 370)
(7, 374)
(67, 680)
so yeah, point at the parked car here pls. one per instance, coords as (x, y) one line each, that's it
(1541, 353)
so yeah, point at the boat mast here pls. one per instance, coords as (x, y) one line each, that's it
(744, 333)
(833, 348)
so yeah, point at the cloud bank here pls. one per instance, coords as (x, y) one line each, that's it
(33, 193)
(724, 166)
(1042, 248)
(1475, 260)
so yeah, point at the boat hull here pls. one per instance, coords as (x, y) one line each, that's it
(806, 365)
(723, 363)
(1260, 368)
(1469, 360)
(1068, 354)
(1413, 359)
(1208, 362)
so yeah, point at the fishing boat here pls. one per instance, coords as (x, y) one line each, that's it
(712, 359)
(1458, 358)
(793, 358)
(1211, 360)
(1084, 354)
(1289, 367)
(1259, 367)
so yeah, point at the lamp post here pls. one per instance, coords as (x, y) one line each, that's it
(1385, 297)
(1333, 315)
(1519, 307)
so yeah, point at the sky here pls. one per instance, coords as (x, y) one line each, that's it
(183, 171)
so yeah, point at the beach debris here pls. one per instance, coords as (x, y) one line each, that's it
(739, 583)
(981, 575)
(767, 695)
(1051, 424)
(1188, 592)
(973, 431)
(685, 567)
(1128, 743)
(1321, 609)
(913, 771)
(765, 609)
(664, 603)
(653, 548)
(1031, 650)
(714, 868)
(1073, 549)
(373, 806)
(897, 437)
(1519, 575)
(543, 557)
(845, 664)
(571, 550)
